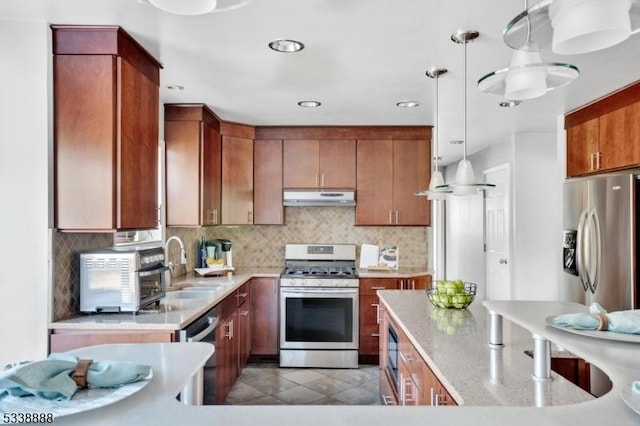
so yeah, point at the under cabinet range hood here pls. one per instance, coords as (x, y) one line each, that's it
(319, 197)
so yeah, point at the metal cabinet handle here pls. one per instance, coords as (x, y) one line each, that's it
(375, 334)
(322, 180)
(406, 357)
(316, 175)
(229, 334)
(591, 157)
(397, 217)
(243, 295)
(390, 218)
(413, 284)
(244, 313)
(502, 261)
(598, 156)
(377, 306)
(388, 400)
(378, 288)
(249, 216)
(215, 216)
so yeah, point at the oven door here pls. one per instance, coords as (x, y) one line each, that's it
(318, 318)
(152, 285)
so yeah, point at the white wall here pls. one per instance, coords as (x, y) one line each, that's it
(536, 254)
(537, 166)
(24, 168)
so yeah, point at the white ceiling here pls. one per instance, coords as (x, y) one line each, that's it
(361, 57)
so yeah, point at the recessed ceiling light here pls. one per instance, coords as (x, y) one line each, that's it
(509, 104)
(309, 104)
(408, 104)
(176, 87)
(286, 46)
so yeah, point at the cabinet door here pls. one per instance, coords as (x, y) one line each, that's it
(84, 141)
(211, 175)
(370, 313)
(374, 173)
(416, 283)
(264, 316)
(300, 168)
(267, 182)
(137, 195)
(619, 139)
(582, 147)
(237, 180)
(337, 164)
(223, 381)
(411, 172)
(244, 335)
(182, 174)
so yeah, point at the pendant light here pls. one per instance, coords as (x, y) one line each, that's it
(574, 27)
(465, 183)
(437, 180)
(196, 7)
(527, 77)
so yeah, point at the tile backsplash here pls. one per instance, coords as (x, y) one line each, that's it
(257, 245)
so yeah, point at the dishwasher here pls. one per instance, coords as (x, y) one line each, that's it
(201, 330)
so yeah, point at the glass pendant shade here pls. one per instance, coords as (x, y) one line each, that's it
(186, 7)
(581, 26)
(436, 180)
(524, 83)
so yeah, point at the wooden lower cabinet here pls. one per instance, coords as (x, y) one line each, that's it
(233, 340)
(66, 340)
(416, 383)
(370, 310)
(264, 316)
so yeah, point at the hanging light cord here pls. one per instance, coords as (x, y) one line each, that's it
(464, 145)
(437, 118)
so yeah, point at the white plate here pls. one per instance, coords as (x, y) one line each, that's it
(598, 334)
(631, 398)
(82, 400)
(212, 271)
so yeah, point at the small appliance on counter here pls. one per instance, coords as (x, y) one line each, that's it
(121, 279)
(225, 246)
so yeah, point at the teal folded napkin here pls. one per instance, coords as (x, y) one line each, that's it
(620, 321)
(52, 378)
(635, 387)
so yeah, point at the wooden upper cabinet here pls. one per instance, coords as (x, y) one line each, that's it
(267, 182)
(237, 174)
(312, 163)
(374, 194)
(106, 105)
(605, 135)
(620, 137)
(582, 147)
(388, 174)
(193, 165)
(411, 173)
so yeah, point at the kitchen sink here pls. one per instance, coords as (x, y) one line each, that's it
(189, 294)
(202, 288)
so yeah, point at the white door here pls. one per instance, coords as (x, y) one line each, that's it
(498, 225)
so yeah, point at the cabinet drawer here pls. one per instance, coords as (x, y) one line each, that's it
(369, 286)
(416, 367)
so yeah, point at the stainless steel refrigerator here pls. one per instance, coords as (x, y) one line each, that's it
(600, 247)
(600, 242)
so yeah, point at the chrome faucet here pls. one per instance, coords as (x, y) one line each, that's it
(183, 253)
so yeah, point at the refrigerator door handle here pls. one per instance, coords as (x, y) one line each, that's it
(580, 248)
(594, 223)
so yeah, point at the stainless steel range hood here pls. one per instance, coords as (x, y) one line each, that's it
(320, 197)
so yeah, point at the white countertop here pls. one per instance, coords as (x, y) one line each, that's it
(156, 403)
(454, 345)
(173, 314)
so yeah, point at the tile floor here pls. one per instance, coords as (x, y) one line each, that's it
(267, 384)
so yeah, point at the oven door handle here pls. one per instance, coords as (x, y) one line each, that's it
(153, 271)
(318, 290)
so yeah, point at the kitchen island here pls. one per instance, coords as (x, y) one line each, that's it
(620, 361)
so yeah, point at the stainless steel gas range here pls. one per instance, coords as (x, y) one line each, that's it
(319, 306)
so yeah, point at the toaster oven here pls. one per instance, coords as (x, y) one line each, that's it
(121, 279)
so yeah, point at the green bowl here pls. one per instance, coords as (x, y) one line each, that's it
(448, 299)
